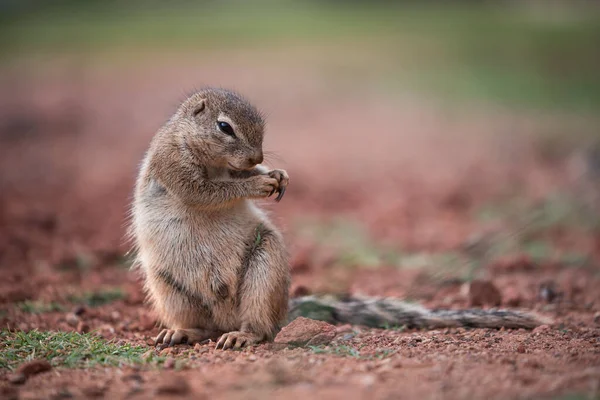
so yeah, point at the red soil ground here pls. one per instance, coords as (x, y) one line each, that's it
(411, 173)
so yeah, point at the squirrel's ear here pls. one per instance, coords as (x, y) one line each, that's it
(199, 107)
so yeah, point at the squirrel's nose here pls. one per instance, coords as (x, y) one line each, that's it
(256, 159)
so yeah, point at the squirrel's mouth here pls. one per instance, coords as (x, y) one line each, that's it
(233, 167)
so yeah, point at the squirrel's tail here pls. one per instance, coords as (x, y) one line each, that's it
(390, 312)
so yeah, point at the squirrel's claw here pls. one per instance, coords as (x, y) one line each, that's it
(281, 193)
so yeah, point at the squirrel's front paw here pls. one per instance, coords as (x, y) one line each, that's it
(283, 180)
(263, 186)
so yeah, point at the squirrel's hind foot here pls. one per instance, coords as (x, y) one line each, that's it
(236, 340)
(171, 337)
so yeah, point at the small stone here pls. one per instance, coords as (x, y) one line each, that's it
(252, 357)
(34, 367)
(303, 331)
(451, 347)
(79, 310)
(108, 329)
(482, 293)
(167, 351)
(173, 385)
(541, 329)
(512, 298)
(17, 378)
(548, 292)
(521, 349)
(115, 316)
(82, 327)
(169, 363)
(597, 318)
(72, 319)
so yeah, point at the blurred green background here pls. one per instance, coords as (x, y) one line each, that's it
(535, 54)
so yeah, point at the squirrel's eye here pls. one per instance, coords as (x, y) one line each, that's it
(225, 128)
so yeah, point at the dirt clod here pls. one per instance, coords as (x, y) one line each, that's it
(34, 367)
(483, 293)
(304, 331)
(541, 329)
(173, 385)
(166, 350)
(512, 297)
(17, 378)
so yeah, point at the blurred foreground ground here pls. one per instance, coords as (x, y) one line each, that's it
(426, 147)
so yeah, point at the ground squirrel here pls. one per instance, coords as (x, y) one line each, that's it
(214, 265)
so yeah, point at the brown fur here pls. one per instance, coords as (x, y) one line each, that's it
(213, 262)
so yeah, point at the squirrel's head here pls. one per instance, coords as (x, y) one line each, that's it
(224, 128)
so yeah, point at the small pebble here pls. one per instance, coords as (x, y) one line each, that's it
(520, 349)
(115, 316)
(541, 328)
(166, 351)
(72, 319)
(169, 363)
(201, 349)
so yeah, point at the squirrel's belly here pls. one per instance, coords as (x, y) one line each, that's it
(180, 243)
(193, 245)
